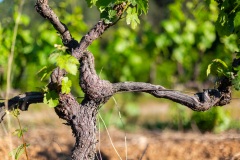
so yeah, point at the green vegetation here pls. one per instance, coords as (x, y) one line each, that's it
(190, 38)
(22, 148)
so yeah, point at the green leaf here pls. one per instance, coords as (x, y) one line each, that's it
(103, 4)
(69, 63)
(15, 112)
(16, 153)
(224, 24)
(91, 2)
(237, 23)
(20, 132)
(66, 85)
(132, 17)
(142, 6)
(45, 71)
(51, 98)
(218, 68)
(112, 14)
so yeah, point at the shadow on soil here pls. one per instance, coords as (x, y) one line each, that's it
(66, 155)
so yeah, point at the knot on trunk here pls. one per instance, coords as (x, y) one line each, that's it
(90, 82)
(56, 79)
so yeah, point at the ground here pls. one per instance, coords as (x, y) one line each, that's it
(49, 139)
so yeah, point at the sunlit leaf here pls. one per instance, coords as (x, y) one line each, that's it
(132, 17)
(16, 153)
(51, 98)
(66, 85)
(218, 68)
(69, 63)
(91, 2)
(20, 132)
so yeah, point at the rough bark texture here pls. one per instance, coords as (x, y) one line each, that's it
(82, 117)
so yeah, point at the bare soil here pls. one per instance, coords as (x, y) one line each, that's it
(49, 139)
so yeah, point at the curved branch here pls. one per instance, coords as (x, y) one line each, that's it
(45, 11)
(90, 82)
(87, 39)
(199, 102)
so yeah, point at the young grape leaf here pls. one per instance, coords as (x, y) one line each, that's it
(112, 14)
(66, 85)
(69, 63)
(218, 68)
(51, 98)
(132, 17)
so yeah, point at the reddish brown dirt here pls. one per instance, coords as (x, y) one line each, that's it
(147, 145)
(50, 140)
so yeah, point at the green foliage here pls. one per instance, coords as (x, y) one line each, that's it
(216, 119)
(142, 54)
(228, 21)
(142, 6)
(66, 85)
(35, 41)
(51, 99)
(15, 113)
(218, 68)
(57, 58)
(20, 132)
(17, 152)
(228, 24)
(68, 63)
(180, 118)
(45, 71)
(109, 11)
(132, 17)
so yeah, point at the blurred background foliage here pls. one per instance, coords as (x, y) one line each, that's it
(172, 47)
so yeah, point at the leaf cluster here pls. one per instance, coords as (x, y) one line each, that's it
(112, 10)
(63, 61)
